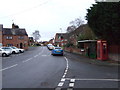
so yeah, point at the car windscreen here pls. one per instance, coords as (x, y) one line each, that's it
(6, 48)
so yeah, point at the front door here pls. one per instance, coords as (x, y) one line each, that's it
(21, 45)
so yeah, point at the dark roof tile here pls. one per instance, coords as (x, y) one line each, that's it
(18, 31)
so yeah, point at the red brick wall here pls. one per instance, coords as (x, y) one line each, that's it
(16, 42)
(114, 52)
(0, 36)
(73, 50)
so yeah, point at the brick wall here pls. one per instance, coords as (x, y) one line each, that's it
(1, 27)
(73, 50)
(114, 52)
(16, 42)
(0, 36)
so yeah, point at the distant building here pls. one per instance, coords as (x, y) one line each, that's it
(14, 36)
(51, 41)
(31, 41)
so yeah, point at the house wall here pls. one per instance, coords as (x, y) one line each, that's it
(114, 52)
(1, 27)
(0, 37)
(20, 43)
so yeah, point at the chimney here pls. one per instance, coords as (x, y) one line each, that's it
(1, 27)
(14, 26)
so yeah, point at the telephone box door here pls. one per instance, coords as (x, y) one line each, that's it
(102, 53)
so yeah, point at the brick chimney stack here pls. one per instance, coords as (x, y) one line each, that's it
(14, 26)
(1, 27)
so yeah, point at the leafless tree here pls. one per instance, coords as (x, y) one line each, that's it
(77, 22)
(36, 35)
(74, 24)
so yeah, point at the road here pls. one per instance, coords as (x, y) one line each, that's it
(37, 68)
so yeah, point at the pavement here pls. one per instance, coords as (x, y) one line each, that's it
(85, 59)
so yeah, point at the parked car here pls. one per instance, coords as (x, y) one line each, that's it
(19, 49)
(7, 48)
(4, 52)
(57, 51)
(50, 46)
(14, 51)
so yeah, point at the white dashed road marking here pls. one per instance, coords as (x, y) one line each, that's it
(33, 57)
(71, 84)
(92, 79)
(62, 80)
(72, 80)
(9, 67)
(60, 84)
(27, 60)
(63, 77)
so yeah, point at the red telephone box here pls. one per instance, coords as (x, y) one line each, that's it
(102, 53)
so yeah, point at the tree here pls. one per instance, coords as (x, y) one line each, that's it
(77, 22)
(74, 24)
(104, 19)
(36, 35)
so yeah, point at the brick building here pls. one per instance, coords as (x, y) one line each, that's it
(0, 35)
(60, 40)
(14, 36)
(31, 41)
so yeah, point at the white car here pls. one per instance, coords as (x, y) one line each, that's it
(14, 51)
(50, 46)
(4, 52)
(19, 49)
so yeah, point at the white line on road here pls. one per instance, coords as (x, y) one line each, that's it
(32, 57)
(71, 84)
(92, 79)
(65, 72)
(27, 60)
(41, 51)
(72, 80)
(36, 56)
(62, 80)
(60, 84)
(9, 67)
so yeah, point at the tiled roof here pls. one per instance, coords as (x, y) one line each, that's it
(18, 31)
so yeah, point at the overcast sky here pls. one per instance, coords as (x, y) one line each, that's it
(47, 16)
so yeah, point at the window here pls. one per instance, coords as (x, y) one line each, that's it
(9, 45)
(9, 37)
(21, 37)
(24, 45)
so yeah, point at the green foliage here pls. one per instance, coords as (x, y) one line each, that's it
(69, 45)
(104, 20)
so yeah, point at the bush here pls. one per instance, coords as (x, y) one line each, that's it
(69, 45)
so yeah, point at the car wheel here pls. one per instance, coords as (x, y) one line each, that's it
(13, 52)
(4, 54)
(20, 51)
